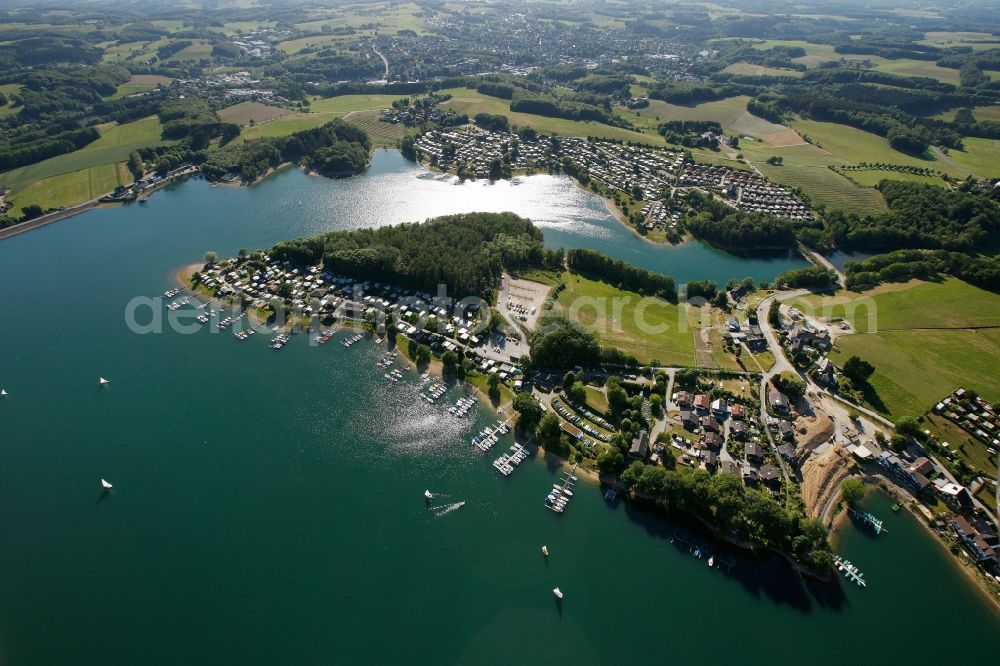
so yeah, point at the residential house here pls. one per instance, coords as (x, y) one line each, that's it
(752, 452)
(640, 447)
(777, 400)
(710, 424)
(770, 476)
(689, 420)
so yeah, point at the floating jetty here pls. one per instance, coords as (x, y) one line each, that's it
(562, 492)
(393, 375)
(170, 293)
(349, 342)
(851, 571)
(868, 520)
(280, 341)
(489, 436)
(434, 392)
(506, 463)
(461, 407)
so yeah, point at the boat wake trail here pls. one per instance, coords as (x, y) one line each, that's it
(446, 508)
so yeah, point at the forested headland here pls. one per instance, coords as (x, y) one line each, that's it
(467, 253)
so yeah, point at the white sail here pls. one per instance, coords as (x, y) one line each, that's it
(102, 381)
(105, 485)
(558, 593)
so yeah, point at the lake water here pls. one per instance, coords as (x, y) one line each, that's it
(268, 506)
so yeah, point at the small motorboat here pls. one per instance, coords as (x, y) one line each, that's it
(106, 485)
(428, 494)
(545, 551)
(558, 593)
(711, 561)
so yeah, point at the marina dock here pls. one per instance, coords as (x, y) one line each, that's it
(506, 463)
(489, 436)
(868, 520)
(561, 494)
(851, 571)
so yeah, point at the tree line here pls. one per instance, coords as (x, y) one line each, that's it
(595, 265)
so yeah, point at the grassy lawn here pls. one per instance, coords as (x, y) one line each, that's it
(465, 100)
(980, 156)
(244, 112)
(73, 188)
(597, 400)
(921, 352)
(988, 496)
(963, 443)
(114, 145)
(619, 317)
(9, 89)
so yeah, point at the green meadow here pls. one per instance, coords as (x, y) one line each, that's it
(612, 313)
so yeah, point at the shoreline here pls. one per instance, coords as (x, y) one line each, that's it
(968, 570)
(72, 211)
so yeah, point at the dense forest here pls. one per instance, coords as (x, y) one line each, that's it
(920, 216)
(466, 253)
(335, 149)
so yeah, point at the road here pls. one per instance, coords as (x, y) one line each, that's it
(384, 61)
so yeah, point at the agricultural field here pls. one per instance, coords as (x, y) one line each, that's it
(347, 103)
(872, 177)
(380, 133)
(980, 113)
(855, 146)
(747, 69)
(977, 41)
(805, 167)
(922, 341)
(140, 83)
(114, 145)
(979, 156)
(293, 46)
(198, 50)
(75, 187)
(245, 112)
(390, 19)
(285, 125)
(723, 111)
(465, 100)
(612, 314)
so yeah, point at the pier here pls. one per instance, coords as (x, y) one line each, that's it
(562, 492)
(851, 571)
(506, 463)
(869, 521)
